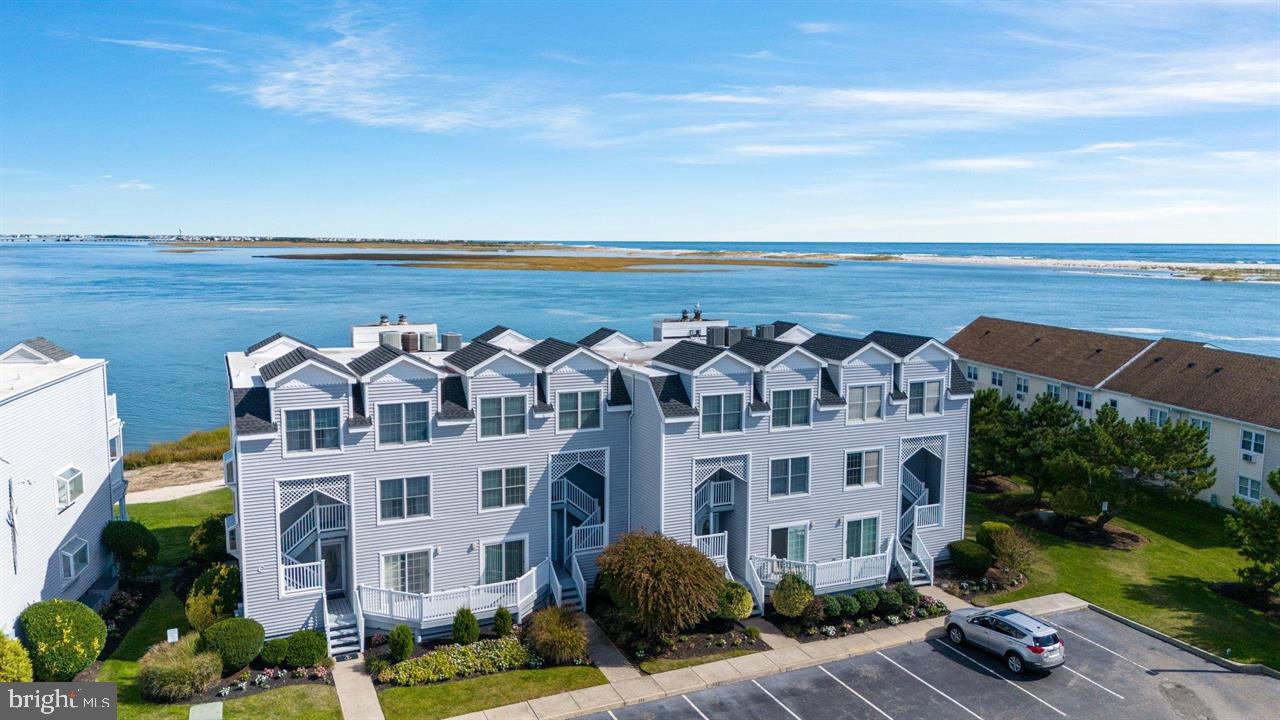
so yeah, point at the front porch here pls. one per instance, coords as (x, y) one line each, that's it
(427, 612)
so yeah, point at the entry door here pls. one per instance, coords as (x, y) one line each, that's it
(334, 553)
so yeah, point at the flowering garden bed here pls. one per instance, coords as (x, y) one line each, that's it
(123, 609)
(251, 682)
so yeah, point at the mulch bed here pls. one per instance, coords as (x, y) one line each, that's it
(709, 638)
(1267, 603)
(376, 645)
(949, 579)
(252, 689)
(827, 629)
(1022, 509)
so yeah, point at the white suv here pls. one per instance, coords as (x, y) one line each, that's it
(1023, 641)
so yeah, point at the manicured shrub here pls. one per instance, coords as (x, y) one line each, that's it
(791, 595)
(890, 602)
(480, 658)
(557, 635)
(466, 629)
(815, 612)
(660, 585)
(868, 600)
(62, 637)
(133, 546)
(503, 623)
(274, 652)
(236, 640)
(736, 602)
(989, 531)
(1073, 501)
(15, 664)
(970, 558)
(400, 643)
(214, 595)
(910, 596)
(831, 606)
(849, 606)
(209, 539)
(176, 671)
(307, 648)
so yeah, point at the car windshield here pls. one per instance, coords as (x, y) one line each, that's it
(1047, 640)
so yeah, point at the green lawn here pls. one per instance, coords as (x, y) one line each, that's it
(172, 522)
(653, 667)
(1163, 584)
(458, 697)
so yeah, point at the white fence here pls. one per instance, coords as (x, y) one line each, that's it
(588, 537)
(437, 609)
(713, 546)
(579, 581)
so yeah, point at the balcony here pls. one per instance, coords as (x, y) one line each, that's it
(436, 610)
(714, 546)
(825, 576)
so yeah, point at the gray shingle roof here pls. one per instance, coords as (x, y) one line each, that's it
(267, 341)
(453, 400)
(619, 396)
(672, 397)
(491, 333)
(374, 359)
(296, 357)
(828, 393)
(253, 411)
(760, 351)
(758, 403)
(688, 355)
(781, 326)
(833, 347)
(899, 344)
(548, 351)
(476, 352)
(960, 384)
(597, 336)
(48, 348)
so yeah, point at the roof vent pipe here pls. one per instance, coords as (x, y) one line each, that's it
(697, 311)
(382, 320)
(684, 314)
(404, 320)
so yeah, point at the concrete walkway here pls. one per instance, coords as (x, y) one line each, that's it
(173, 492)
(356, 696)
(607, 657)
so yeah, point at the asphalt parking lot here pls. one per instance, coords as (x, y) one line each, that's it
(1112, 671)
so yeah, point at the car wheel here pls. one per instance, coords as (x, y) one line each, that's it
(956, 634)
(1014, 661)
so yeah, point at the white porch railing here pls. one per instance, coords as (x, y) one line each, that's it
(587, 537)
(332, 516)
(912, 484)
(438, 608)
(713, 546)
(329, 517)
(824, 575)
(771, 569)
(715, 493)
(928, 515)
(301, 577)
(564, 491)
(755, 585)
(359, 611)
(579, 581)
(233, 542)
(901, 558)
(557, 592)
(922, 554)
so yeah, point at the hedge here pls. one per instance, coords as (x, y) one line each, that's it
(132, 544)
(62, 637)
(557, 635)
(791, 595)
(849, 606)
(480, 658)
(970, 558)
(176, 671)
(987, 532)
(236, 640)
(910, 596)
(307, 648)
(274, 652)
(868, 600)
(831, 607)
(15, 664)
(890, 602)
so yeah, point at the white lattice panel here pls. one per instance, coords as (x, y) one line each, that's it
(294, 491)
(704, 468)
(593, 460)
(935, 444)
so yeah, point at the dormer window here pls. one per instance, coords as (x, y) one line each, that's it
(791, 407)
(579, 410)
(315, 429)
(925, 397)
(721, 413)
(70, 486)
(501, 416)
(404, 423)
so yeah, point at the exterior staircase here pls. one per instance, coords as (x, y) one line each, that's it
(906, 557)
(344, 633)
(569, 590)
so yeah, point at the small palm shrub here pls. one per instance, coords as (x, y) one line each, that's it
(970, 558)
(214, 595)
(849, 606)
(274, 652)
(15, 664)
(237, 641)
(660, 585)
(890, 601)
(133, 546)
(910, 596)
(480, 658)
(736, 602)
(307, 648)
(62, 637)
(503, 623)
(792, 595)
(466, 629)
(557, 635)
(400, 643)
(988, 532)
(868, 600)
(176, 671)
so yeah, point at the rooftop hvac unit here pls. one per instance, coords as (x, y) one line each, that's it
(764, 332)
(451, 341)
(734, 335)
(390, 338)
(429, 342)
(409, 342)
(716, 335)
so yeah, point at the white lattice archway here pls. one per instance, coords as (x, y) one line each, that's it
(294, 491)
(594, 460)
(704, 468)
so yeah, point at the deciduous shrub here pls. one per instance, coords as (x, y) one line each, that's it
(890, 601)
(176, 671)
(209, 539)
(133, 546)
(466, 629)
(307, 648)
(660, 585)
(849, 606)
(970, 558)
(481, 658)
(792, 595)
(1014, 550)
(237, 641)
(400, 643)
(910, 596)
(503, 623)
(557, 635)
(831, 606)
(736, 602)
(815, 612)
(274, 652)
(214, 595)
(15, 664)
(62, 637)
(868, 601)
(989, 531)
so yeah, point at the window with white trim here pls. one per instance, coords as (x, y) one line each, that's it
(503, 487)
(579, 410)
(1023, 385)
(503, 560)
(789, 476)
(791, 408)
(1249, 488)
(1054, 391)
(70, 486)
(404, 423)
(971, 372)
(1084, 400)
(924, 397)
(721, 413)
(502, 416)
(865, 403)
(861, 536)
(1115, 404)
(404, 498)
(1204, 424)
(1254, 442)
(1158, 416)
(997, 378)
(861, 468)
(308, 430)
(408, 572)
(113, 448)
(789, 543)
(74, 555)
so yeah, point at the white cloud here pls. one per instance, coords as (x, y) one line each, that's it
(815, 28)
(159, 45)
(987, 164)
(562, 57)
(135, 184)
(797, 150)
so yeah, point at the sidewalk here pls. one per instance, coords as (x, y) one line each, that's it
(356, 695)
(173, 492)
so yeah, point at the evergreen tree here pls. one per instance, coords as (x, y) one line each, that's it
(1175, 454)
(993, 422)
(1255, 532)
(1043, 432)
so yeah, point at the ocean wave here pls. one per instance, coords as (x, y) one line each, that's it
(256, 309)
(1139, 330)
(824, 315)
(1235, 338)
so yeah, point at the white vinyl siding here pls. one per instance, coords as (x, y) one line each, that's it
(503, 560)
(791, 408)
(579, 410)
(865, 402)
(408, 572)
(315, 429)
(404, 423)
(404, 498)
(501, 416)
(74, 556)
(721, 413)
(789, 476)
(503, 488)
(862, 468)
(70, 486)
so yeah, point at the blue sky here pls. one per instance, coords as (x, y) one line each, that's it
(938, 121)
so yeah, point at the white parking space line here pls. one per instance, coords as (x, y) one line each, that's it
(855, 693)
(1095, 682)
(1144, 668)
(926, 684)
(996, 674)
(615, 717)
(695, 707)
(784, 707)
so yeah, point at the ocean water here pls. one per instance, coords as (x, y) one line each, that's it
(164, 320)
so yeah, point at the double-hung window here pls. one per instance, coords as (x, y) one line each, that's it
(721, 413)
(1054, 391)
(1023, 386)
(502, 416)
(503, 488)
(971, 372)
(307, 430)
(1204, 424)
(789, 476)
(503, 561)
(404, 423)
(404, 498)
(1158, 416)
(70, 486)
(861, 536)
(924, 397)
(1084, 400)
(1253, 442)
(791, 408)
(579, 410)
(1249, 489)
(866, 402)
(408, 572)
(861, 468)
(789, 543)
(997, 378)
(74, 555)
